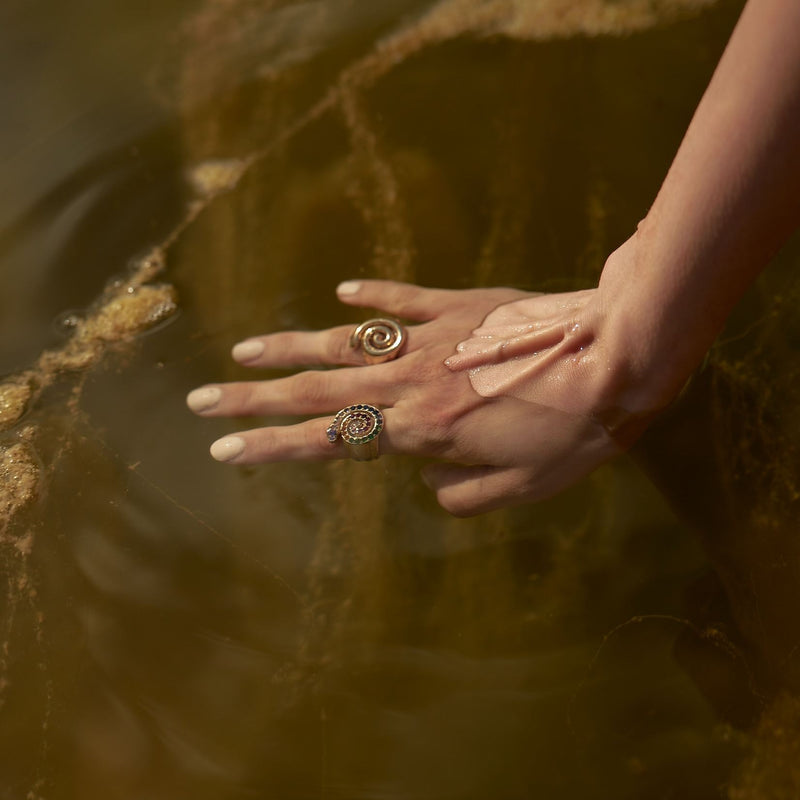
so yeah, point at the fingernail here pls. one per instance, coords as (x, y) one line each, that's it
(247, 350)
(203, 399)
(227, 448)
(348, 287)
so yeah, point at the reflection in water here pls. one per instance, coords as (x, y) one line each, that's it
(173, 628)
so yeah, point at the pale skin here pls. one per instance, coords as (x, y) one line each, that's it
(515, 396)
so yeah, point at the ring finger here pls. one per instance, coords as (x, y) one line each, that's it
(305, 441)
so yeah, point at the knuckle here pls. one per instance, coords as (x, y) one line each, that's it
(402, 298)
(266, 443)
(337, 349)
(438, 427)
(248, 396)
(308, 390)
(430, 435)
(316, 441)
(404, 302)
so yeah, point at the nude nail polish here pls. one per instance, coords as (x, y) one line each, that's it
(203, 399)
(247, 350)
(348, 287)
(227, 448)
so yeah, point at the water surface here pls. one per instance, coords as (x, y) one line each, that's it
(174, 628)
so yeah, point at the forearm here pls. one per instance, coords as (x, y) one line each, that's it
(730, 200)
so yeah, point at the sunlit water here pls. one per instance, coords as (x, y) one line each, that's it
(175, 628)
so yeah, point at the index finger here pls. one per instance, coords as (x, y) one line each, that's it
(418, 303)
(293, 348)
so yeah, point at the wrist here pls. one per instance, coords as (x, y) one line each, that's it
(650, 354)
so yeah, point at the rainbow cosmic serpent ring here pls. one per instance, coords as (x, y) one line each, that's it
(380, 339)
(358, 426)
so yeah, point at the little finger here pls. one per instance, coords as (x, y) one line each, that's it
(468, 490)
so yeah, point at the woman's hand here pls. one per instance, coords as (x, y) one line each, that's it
(505, 387)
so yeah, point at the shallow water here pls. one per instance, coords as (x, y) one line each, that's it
(172, 627)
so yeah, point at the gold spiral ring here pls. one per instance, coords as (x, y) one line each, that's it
(379, 339)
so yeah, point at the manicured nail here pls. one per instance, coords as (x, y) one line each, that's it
(247, 350)
(203, 399)
(348, 287)
(227, 448)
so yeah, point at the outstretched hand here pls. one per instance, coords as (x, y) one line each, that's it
(504, 390)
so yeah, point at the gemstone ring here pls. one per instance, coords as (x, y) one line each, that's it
(359, 427)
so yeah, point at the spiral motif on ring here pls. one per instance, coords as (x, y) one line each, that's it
(357, 424)
(380, 339)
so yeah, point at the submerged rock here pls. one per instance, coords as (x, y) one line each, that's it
(19, 480)
(209, 178)
(129, 312)
(14, 396)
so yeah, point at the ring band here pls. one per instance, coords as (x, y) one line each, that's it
(380, 339)
(358, 426)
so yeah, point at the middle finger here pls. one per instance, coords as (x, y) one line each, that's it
(313, 392)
